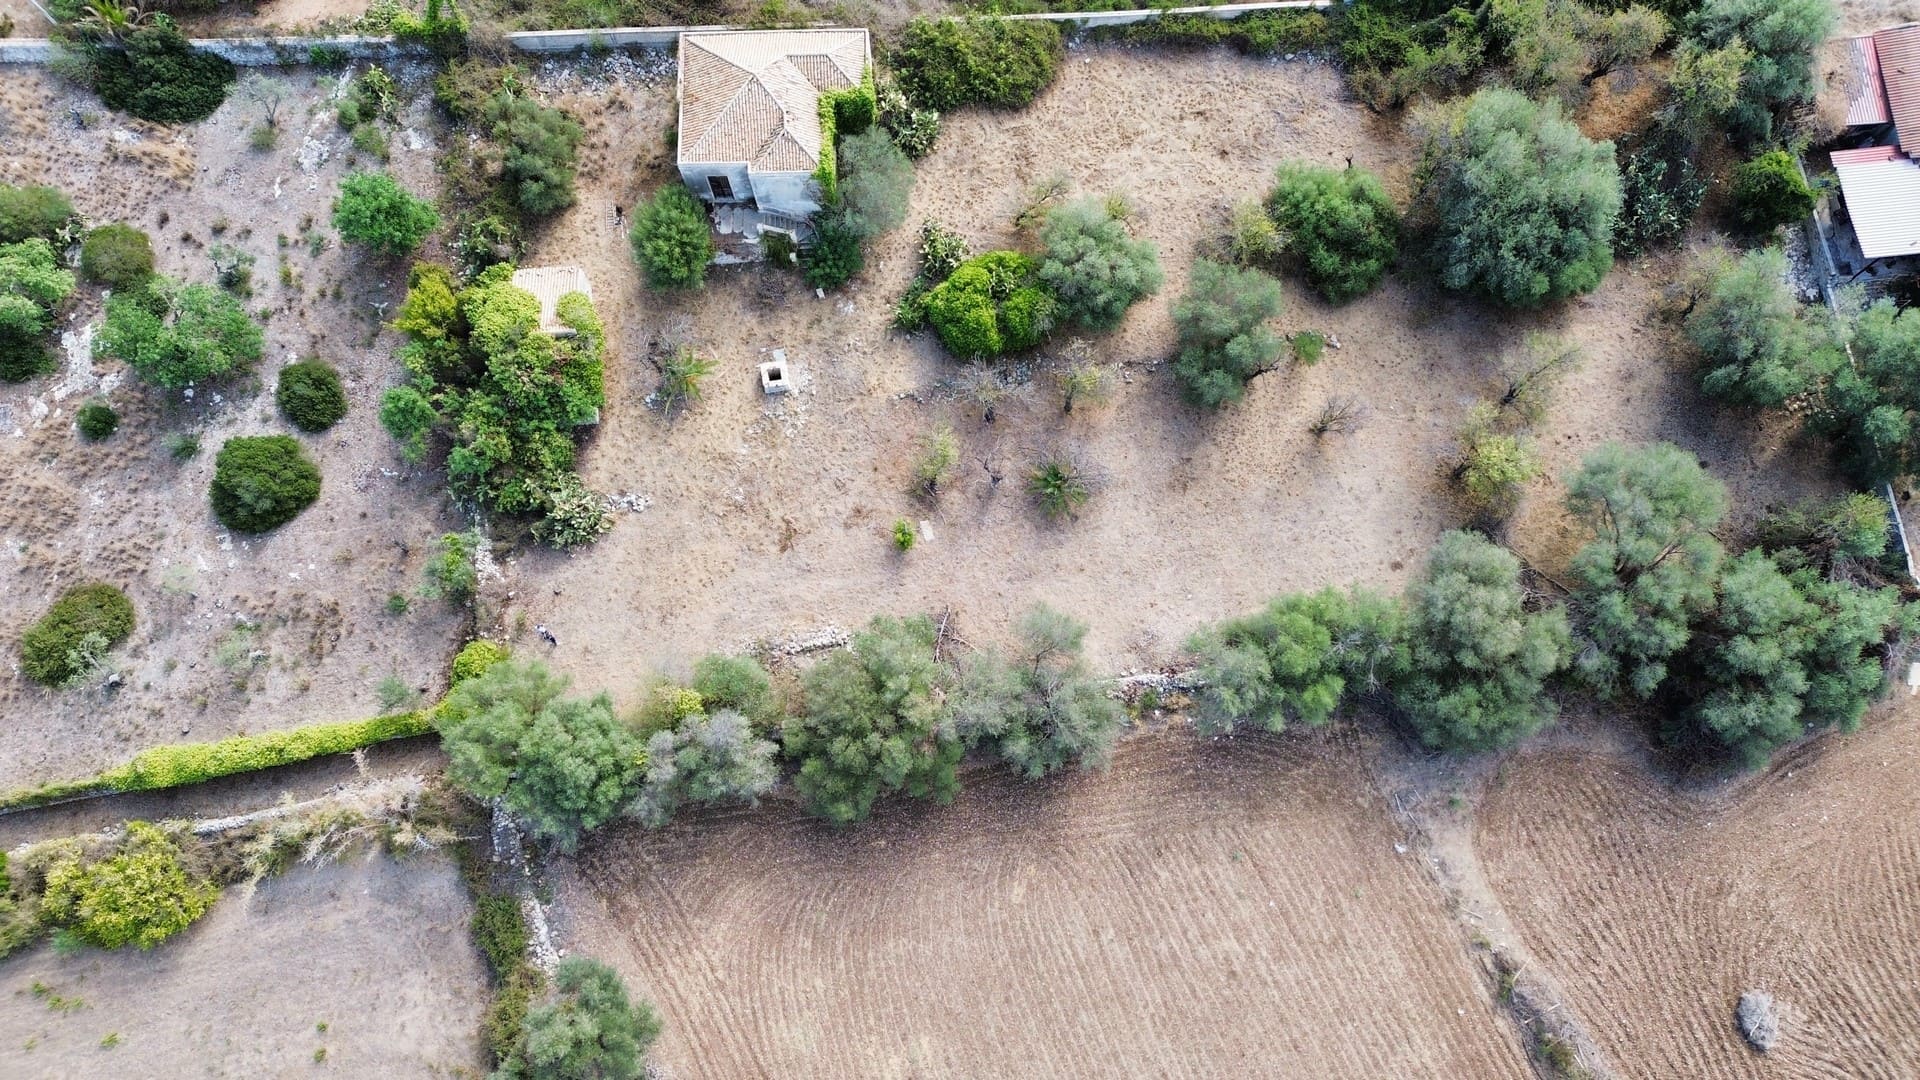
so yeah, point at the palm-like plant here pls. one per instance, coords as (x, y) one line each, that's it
(1060, 484)
(112, 21)
(680, 376)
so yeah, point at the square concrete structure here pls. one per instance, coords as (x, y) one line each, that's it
(548, 284)
(774, 377)
(750, 112)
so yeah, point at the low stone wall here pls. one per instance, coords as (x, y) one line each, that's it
(246, 52)
(653, 37)
(1089, 19)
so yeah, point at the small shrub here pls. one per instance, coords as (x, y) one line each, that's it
(141, 895)
(507, 1013)
(835, 255)
(183, 446)
(876, 180)
(261, 482)
(989, 306)
(903, 537)
(590, 1029)
(118, 256)
(914, 130)
(453, 569)
(538, 145)
(573, 513)
(263, 137)
(934, 461)
(1659, 195)
(946, 63)
(373, 210)
(68, 641)
(393, 693)
(1307, 346)
(680, 376)
(1093, 267)
(409, 417)
(1252, 237)
(1223, 334)
(475, 657)
(1769, 192)
(1060, 484)
(671, 239)
(33, 213)
(310, 395)
(32, 285)
(500, 930)
(941, 250)
(96, 420)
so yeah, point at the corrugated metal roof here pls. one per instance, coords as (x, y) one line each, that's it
(1898, 51)
(753, 96)
(1882, 190)
(1866, 95)
(548, 284)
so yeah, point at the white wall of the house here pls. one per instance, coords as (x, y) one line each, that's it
(695, 176)
(792, 193)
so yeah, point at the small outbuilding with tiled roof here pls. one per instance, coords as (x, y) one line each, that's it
(751, 109)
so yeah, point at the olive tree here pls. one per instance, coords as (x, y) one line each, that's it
(1650, 567)
(1522, 204)
(1041, 706)
(176, 335)
(875, 722)
(1758, 344)
(1782, 37)
(1477, 659)
(875, 184)
(565, 764)
(708, 757)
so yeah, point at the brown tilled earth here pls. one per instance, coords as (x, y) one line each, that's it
(1244, 909)
(1655, 908)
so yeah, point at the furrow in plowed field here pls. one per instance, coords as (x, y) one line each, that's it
(1198, 911)
(1655, 910)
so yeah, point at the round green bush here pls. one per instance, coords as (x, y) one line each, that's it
(310, 395)
(159, 76)
(991, 305)
(75, 632)
(261, 482)
(96, 420)
(30, 212)
(475, 658)
(118, 256)
(1769, 192)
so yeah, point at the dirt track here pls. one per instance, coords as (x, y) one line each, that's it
(1198, 912)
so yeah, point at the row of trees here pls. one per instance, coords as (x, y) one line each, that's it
(1751, 651)
(892, 713)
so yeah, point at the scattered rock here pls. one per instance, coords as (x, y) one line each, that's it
(1759, 1019)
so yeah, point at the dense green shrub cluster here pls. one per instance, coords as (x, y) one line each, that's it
(32, 285)
(310, 395)
(33, 213)
(589, 1028)
(191, 763)
(374, 211)
(1660, 191)
(1523, 205)
(1224, 338)
(140, 895)
(1870, 408)
(943, 64)
(158, 76)
(475, 657)
(537, 147)
(1759, 346)
(1338, 223)
(1094, 269)
(1041, 706)
(990, 305)
(1779, 39)
(876, 181)
(261, 482)
(707, 757)
(118, 256)
(671, 239)
(564, 764)
(1298, 660)
(1394, 50)
(1769, 192)
(837, 253)
(510, 395)
(72, 638)
(176, 335)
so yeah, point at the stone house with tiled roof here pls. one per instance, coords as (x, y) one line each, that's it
(752, 106)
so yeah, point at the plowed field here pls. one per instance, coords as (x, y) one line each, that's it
(1200, 911)
(1655, 909)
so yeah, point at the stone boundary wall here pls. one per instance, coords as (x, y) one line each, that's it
(294, 51)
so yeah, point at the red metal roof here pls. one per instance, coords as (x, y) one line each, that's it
(1866, 155)
(1867, 102)
(1897, 49)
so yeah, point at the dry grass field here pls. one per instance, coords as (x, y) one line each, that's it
(367, 959)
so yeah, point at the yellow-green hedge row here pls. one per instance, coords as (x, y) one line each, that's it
(192, 763)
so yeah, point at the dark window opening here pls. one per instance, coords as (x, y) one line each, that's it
(721, 187)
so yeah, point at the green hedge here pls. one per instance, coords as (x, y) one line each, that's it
(193, 763)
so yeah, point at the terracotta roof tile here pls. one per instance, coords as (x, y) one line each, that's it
(754, 96)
